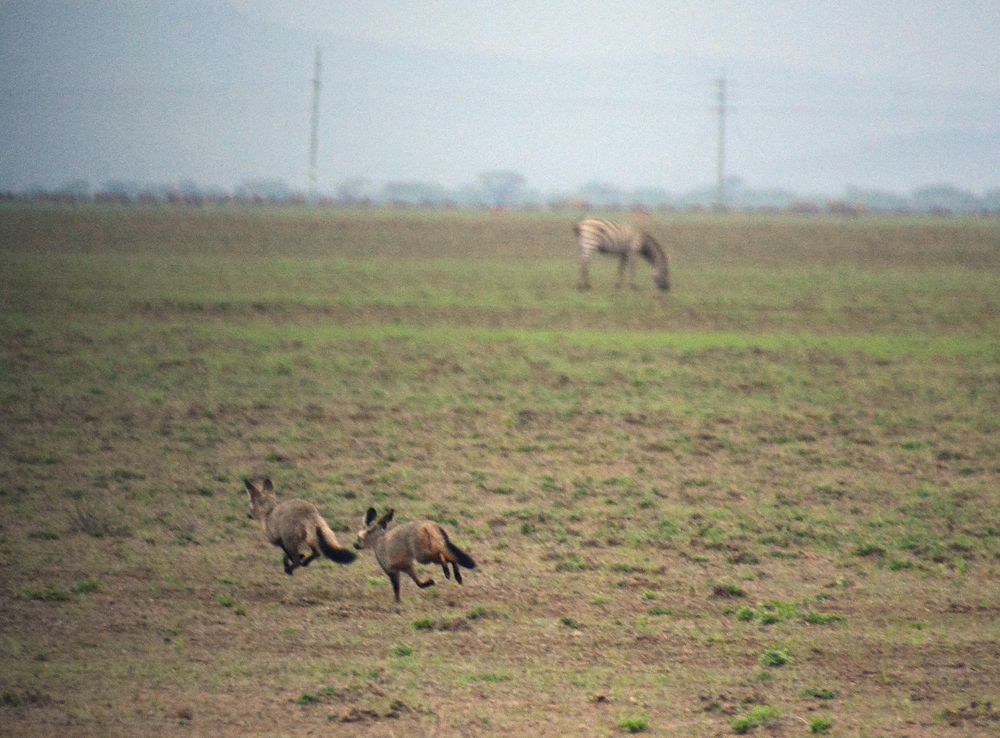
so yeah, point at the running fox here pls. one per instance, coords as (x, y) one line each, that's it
(293, 525)
(422, 541)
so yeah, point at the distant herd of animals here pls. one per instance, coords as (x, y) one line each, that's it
(296, 526)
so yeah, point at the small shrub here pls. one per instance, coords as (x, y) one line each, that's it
(869, 550)
(572, 564)
(570, 623)
(45, 594)
(760, 715)
(728, 590)
(820, 725)
(820, 694)
(658, 610)
(402, 650)
(775, 657)
(745, 614)
(86, 587)
(9, 699)
(634, 723)
(226, 601)
(823, 618)
(307, 699)
(423, 624)
(745, 557)
(742, 725)
(784, 610)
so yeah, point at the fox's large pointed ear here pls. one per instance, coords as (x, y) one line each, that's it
(384, 520)
(254, 492)
(370, 516)
(268, 487)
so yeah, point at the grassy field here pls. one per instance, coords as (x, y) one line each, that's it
(767, 502)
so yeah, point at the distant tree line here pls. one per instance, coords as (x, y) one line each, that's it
(504, 189)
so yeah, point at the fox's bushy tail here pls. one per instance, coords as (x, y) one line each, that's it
(330, 548)
(461, 557)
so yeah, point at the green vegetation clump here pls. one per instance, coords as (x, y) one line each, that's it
(46, 593)
(758, 716)
(820, 725)
(775, 657)
(820, 694)
(634, 723)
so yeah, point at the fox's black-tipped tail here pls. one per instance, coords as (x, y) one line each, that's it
(461, 557)
(334, 553)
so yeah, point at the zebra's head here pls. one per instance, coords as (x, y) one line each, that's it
(658, 259)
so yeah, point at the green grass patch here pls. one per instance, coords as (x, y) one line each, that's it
(775, 657)
(819, 694)
(820, 725)
(758, 716)
(634, 723)
(46, 593)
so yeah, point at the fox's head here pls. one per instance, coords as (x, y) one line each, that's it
(374, 528)
(262, 501)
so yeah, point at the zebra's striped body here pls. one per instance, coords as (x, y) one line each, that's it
(624, 241)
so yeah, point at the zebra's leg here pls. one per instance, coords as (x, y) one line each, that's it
(631, 268)
(584, 283)
(622, 259)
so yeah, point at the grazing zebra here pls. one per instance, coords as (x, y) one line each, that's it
(624, 241)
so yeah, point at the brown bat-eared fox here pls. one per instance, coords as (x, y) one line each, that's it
(294, 525)
(396, 550)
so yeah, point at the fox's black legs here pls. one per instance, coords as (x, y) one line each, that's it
(309, 559)
(394, 578)
(422, 584)
(292, 562)
(458, 576)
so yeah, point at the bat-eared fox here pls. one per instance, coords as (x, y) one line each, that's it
(397, 550)
(293, 526)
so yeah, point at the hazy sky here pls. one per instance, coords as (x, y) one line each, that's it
(919, 42)
(821, 95)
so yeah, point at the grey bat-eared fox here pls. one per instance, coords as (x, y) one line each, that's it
(397, 550)
(295, 526)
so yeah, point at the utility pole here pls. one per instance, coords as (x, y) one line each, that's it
(720, 174)
(314, 128)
